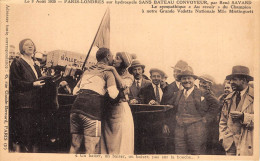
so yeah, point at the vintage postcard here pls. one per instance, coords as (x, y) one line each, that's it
(129, 80)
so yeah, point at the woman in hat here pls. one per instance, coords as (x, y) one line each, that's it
(118, 125)
(24, 93)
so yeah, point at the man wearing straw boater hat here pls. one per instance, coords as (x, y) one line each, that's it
(137, 70)
(236, 125)
(192, 115)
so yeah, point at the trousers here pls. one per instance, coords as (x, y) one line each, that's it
(190, 138)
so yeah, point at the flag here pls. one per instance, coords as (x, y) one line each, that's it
(103, 34)
(102, 37)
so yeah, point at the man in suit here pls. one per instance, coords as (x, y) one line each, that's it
(205, 85)
(164, 84)
(193, 111)
(175, 85)
(152, 94)
(137, 70)
(167, 98)
(236, 126)
(152, 124)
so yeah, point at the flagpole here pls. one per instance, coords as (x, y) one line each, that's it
(93, 41)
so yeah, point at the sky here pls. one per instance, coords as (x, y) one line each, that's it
(210, 44)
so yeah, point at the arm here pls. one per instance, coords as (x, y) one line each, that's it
(111, 85)
(248, 120)
(77, 87)
(223, 128)
(117, 76)
(213, 105)
(17, 80)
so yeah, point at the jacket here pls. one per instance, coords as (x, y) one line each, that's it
(168, 93)
(147, 94)
(245, 138)
(22, 92)
(206, 103)
(134, 91)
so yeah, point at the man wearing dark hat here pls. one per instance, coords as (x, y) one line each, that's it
(137, 70)
(175, 85)
(85, 116)
(192, 114)
(236, 126)
(167, 98)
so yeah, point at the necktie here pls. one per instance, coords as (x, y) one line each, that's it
(185, 94)
(138, 85)
(238, 98)
(157, 94)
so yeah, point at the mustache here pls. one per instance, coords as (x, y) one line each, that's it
(233, 85)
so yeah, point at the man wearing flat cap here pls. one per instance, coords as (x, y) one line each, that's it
(152, 126)
(212, 146)
(137, 70)
(192, 113)
(236, 126)
(152, 94)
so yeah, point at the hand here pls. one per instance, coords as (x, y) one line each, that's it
(236, 115)
(133, 101)
(39, 83)
(166, 130)
(153, 102)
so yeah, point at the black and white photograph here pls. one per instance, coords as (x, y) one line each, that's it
(129, 80)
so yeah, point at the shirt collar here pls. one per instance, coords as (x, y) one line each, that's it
(178, 84)
(189, 90)
(154, 86)
(243, 91)
(29, 61)
(140, 81)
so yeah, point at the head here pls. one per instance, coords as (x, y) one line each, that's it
(187, 81)
(187, 78)
(180, 65)
(176, 72)
(136, 69)
(238, 83)
(227, 88)
(104, 55)
(122, 60)
(163, 81)
(156, 76)
(27, 47)
(138, 72)
(206, 81)
(205, 84)
(239, 78)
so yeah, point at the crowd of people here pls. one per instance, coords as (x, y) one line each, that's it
(101, 119)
